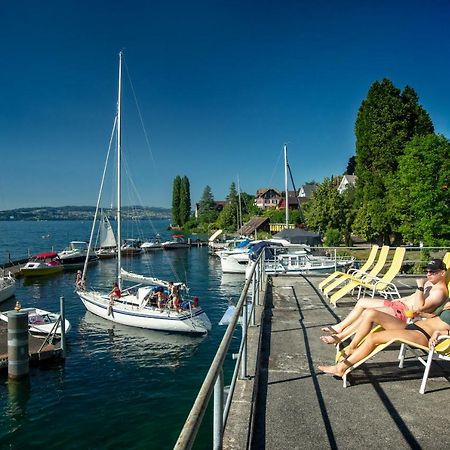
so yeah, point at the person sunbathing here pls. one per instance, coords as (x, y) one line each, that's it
(424, 332)
(429, 295)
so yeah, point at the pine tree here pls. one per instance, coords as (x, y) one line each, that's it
(176, 192)
(185, 201)
(207, 212)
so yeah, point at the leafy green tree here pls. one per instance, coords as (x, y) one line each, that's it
(207, 212)
(228, 217)
(326, 208)
(176, 192)
(387, 120)
(185, 200)
(419, 191)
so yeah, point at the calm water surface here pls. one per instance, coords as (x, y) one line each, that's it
(119, 387)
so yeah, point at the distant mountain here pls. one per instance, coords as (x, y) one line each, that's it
(81, 213)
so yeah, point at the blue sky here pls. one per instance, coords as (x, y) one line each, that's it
(221, 86)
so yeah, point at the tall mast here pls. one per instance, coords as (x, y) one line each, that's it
(286, 185)
(119, 163)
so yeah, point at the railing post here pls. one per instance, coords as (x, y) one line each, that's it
(244, 340)
(62, 315)
(254, 300)
(218, 412)
(335, 260)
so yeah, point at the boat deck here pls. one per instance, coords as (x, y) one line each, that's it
(48, 352)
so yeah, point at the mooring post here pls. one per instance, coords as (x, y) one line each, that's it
(18, 356)
(63, 326)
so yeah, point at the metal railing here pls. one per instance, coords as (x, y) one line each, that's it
(214, 380)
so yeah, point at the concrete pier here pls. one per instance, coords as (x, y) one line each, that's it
(289, 404)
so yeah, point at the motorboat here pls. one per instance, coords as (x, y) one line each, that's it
(177, 241)
(74, 256)
(42, 264)
(298, 263)
(136, 306)
(41, 322)
(7, 286)
(152, 244)
(131, 247)
(236, 259)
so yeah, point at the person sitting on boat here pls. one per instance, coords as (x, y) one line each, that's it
(80, 282)
(429, 295)
(162, 299)
(115, 293)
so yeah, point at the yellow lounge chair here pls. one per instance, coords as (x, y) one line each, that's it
(382, 286)
(373, 273)
(358, 273)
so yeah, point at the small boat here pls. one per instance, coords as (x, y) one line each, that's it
(42, 264)
(107, 241)
(7, 286)
(41, 322)
(152, 244)
(74, 256)
(177, 241)
(131, 247)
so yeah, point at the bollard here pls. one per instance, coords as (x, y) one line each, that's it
(18, 358)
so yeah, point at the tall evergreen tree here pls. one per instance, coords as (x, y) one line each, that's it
(176, 192)
(207, 212)
(387, 120)
(228, 218)
(185, 200)
(351, 165)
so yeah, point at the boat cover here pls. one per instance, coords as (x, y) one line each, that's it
(299, 236)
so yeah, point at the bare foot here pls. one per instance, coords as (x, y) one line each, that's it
(331, 370)
(333, 339)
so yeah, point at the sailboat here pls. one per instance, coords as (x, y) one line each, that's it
(135, 306)
(107, 241)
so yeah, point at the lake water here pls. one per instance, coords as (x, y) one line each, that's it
(119, 387)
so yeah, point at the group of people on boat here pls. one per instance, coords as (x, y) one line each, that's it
(430, 301)
(170, 298)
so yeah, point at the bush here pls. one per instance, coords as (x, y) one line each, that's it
(332, 237)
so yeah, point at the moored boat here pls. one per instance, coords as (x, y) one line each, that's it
(177, 241)
(42, 264)
(41, 322)
(74, 256)
(7, 286)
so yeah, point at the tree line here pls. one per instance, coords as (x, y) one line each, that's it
(401, 193)
(403, 172)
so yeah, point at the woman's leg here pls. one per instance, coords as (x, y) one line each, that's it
(369, 345)
(361, 305)
(368, 319)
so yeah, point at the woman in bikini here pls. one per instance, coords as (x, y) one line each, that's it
(429, 295)
(424, 332)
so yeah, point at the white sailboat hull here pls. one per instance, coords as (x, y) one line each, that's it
(7, 287)
(147, 317)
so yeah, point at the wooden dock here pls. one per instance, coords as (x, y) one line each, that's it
(48, 352)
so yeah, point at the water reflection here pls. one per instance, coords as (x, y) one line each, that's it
(18, 396)
(231, 284)
(146, 348)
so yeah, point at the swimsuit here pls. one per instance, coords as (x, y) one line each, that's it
(398, 307)
(414, 327)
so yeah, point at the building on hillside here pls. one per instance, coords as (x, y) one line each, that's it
(347, 180)
(253, 225)
(292, 200)
(267, 198)
(220, 204)
(307, 190)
